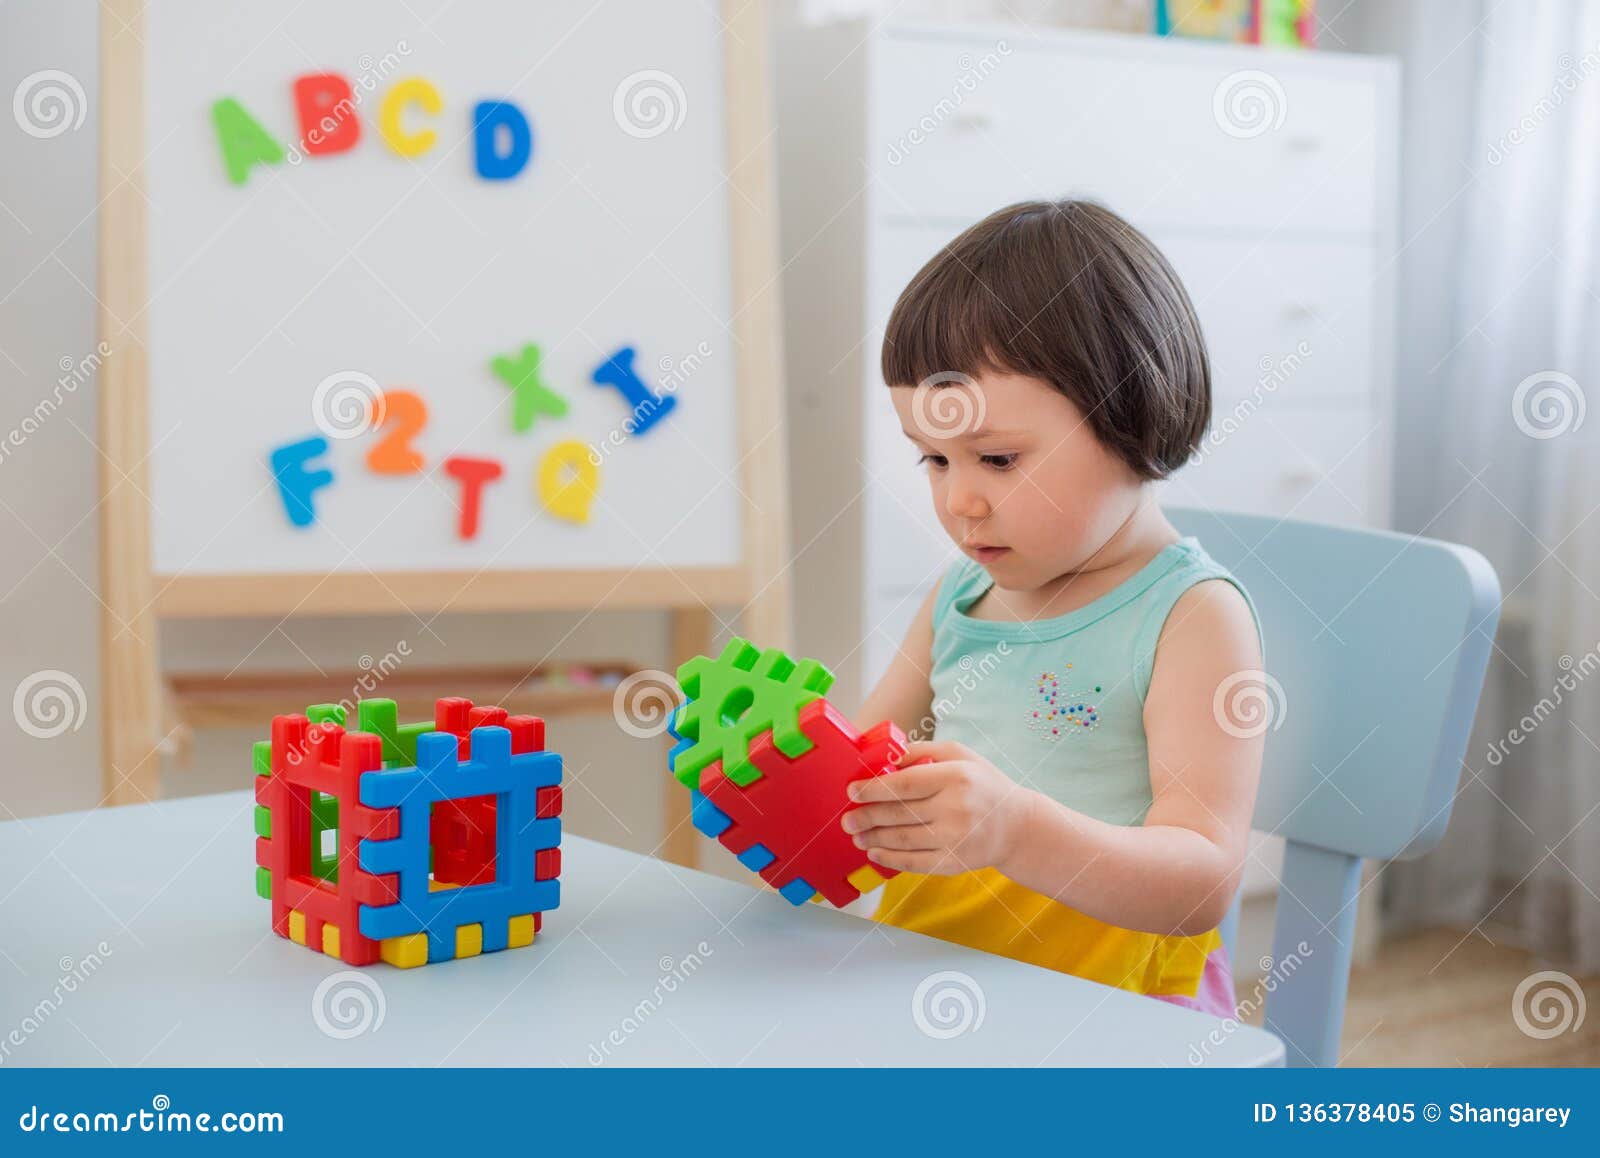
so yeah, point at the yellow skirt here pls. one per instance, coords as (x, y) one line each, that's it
(988, 910)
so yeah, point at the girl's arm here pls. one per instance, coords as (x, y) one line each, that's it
(1174, 874)
(904, 694)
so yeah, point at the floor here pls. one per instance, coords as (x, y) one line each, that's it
(1444, 997)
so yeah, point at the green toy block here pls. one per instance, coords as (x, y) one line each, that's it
(263, 882)
(736, 697)
(263, 822)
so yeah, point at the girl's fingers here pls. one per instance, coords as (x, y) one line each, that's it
(917, 783)
(935, 750)
(877, 815)
(910, 862)
(897, 836)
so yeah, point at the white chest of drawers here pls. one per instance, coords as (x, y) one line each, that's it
(894, 138)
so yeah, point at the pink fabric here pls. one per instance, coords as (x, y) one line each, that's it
(1215, 993)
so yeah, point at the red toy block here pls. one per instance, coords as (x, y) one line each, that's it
(794, 808)
(309, 758)
(463, 830)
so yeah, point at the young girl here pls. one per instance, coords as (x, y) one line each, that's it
(1088, 799)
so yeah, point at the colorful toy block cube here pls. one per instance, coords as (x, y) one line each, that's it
(763, 714)
(408, 843)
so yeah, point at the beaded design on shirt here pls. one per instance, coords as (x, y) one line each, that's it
(1057, 712)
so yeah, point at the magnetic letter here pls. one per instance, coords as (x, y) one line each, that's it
(296, 484)
(473, 474)
(488, 119)
(411, 91)
(568, 480)
(327, 113)
(648, 408)
(244, 142)
(529, 394)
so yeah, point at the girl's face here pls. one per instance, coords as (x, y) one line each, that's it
(1019, 479)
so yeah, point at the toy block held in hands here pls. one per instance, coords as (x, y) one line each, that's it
(407, 843)
(768, 761)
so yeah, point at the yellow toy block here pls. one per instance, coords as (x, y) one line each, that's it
(469, 940)
(519, 932)
(865, 879)
(330, 940)
(297, 926)
(405, 952)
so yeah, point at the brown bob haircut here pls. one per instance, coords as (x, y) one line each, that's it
(1070, 293)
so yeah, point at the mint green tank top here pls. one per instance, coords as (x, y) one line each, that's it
(1058, 704)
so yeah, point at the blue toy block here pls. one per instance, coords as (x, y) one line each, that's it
(796, 892)
(757, 857)
(648, 407)
(441, 775)
(707, 817)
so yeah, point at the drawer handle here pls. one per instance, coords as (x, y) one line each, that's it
(1302, 143)
(973, 122)
(1299, 479)
(1299, 312)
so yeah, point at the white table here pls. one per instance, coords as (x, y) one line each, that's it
(190, 973)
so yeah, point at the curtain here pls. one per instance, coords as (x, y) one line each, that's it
(1511, 458)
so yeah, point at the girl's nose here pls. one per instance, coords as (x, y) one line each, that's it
(966, 502)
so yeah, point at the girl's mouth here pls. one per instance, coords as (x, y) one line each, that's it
(986, 554)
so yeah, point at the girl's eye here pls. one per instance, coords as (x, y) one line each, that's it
(934, 461)
(999, 461)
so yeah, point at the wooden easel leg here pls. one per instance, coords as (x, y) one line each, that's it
(131, 718)
(691, 636)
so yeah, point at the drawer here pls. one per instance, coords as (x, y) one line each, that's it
(1258, 301)
(1287, 318)
(959, 127)
(1314, 463)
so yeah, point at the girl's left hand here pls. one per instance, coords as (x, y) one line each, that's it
(951, 815)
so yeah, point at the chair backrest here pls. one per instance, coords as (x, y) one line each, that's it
(1376, 645)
